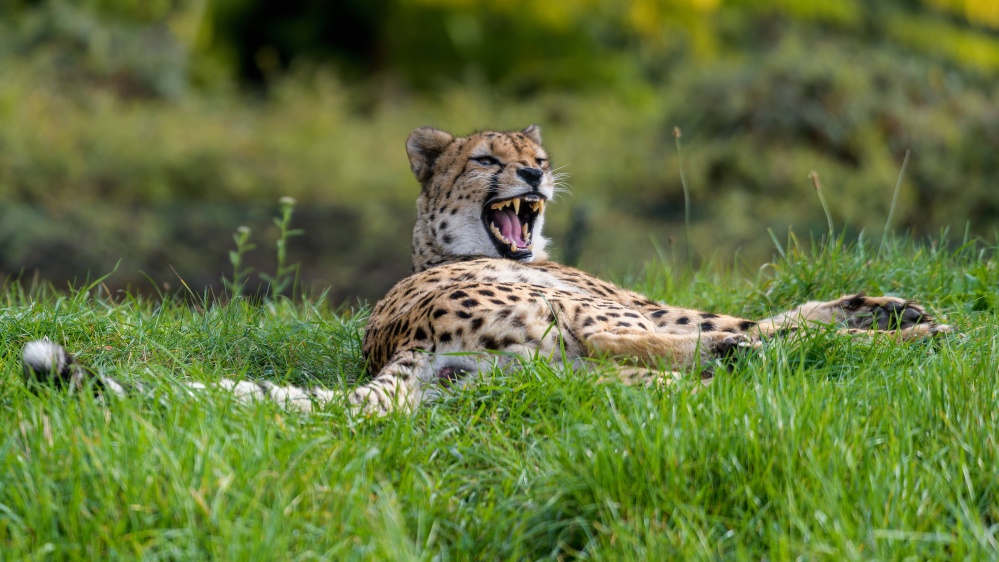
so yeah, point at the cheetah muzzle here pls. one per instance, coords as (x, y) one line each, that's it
(510, 223)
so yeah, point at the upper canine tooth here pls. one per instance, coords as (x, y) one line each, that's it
(516, 206)
(541, 205)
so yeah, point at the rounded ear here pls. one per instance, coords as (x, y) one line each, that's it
(424, 145)
(533, 132)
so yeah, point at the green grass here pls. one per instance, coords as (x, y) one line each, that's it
(826, 447)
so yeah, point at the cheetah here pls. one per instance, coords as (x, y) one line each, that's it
(484, 295)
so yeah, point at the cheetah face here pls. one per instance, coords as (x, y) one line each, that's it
(483, 195)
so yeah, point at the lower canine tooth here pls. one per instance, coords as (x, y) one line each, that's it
(496, 231)
(513, 246)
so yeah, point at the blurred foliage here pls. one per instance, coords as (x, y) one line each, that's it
(117, 116)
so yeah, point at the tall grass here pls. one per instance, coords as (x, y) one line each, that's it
(823, 447)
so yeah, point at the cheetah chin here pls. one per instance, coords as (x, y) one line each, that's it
(510, 223)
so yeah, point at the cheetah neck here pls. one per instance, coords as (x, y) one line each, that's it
(428, 251)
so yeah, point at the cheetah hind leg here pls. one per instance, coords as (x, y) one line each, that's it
(398, 386)
(859, 314)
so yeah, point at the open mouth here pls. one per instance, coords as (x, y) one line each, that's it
(510, 223)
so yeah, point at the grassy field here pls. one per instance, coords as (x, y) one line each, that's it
(826, 447)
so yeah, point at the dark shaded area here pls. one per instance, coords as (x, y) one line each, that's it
(267, 36)
(167, 247)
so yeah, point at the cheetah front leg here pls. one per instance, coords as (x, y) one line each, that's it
(859, 314)
(675, 350)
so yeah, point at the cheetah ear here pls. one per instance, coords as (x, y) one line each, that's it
(424, 145)
(534, 133)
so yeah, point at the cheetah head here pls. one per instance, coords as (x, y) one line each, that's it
(483, 195)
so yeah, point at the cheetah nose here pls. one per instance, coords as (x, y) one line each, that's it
(531, 175)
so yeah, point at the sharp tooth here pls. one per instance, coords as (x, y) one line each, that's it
(516, 206)
(541, 205)
(498, 206)
(534, 206)
(530, 247)
(496, 231)
(513, 246)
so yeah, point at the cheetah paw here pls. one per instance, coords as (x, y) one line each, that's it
(729, 346)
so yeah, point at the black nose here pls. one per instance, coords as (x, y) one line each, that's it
(531, 175)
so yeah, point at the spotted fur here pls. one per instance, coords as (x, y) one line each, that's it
(484, 294)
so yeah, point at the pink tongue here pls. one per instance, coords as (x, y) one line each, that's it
(509, 225)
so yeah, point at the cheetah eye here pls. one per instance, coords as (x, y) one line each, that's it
(541, 161)
(486, 160)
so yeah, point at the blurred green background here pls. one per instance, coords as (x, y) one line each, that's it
(149, 130)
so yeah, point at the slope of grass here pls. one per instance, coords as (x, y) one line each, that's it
(826, 446)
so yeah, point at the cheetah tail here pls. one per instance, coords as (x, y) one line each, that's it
(46, 363)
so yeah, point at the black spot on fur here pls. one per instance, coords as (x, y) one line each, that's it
(659, 313)
(444, 337)
(707, 315)
(469, 303)
(476, 323)
(683, 320)
(439, 312)
(588, 322)
(707, 326)
(420, 334)
(508, 341)
(746, 324)
(464, 314)
(458, 295)
(630, 315)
